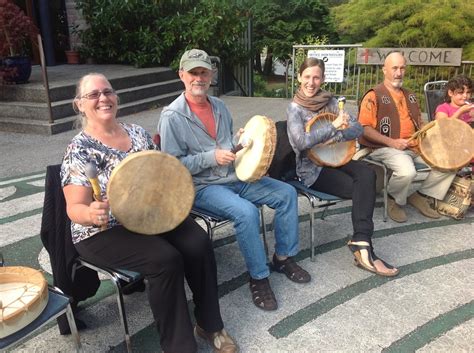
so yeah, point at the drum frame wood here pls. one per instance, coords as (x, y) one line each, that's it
(312, 153)
(266, 157)
(457, 141)
(34, 307)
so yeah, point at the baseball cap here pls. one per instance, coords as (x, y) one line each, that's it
(195, 58)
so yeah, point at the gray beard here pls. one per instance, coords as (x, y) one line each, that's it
(398, 84)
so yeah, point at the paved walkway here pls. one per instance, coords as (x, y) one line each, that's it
(428, 308)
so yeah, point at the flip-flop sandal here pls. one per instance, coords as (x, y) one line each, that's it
(364, 258)
(387, 265)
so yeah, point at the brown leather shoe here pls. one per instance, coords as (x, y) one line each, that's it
(396, 212)
(220, 341)
(422, 204)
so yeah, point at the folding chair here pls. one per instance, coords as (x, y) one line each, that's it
(122, 280)
(58, 304)
(434, 96)
(316, 199)
(214, 222)
(420, 168)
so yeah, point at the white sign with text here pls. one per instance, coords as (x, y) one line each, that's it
(333, 63)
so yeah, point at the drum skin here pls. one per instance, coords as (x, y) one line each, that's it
(252, 162)
(448, 145)
(150, 192)
(331, 154)
(23, 296)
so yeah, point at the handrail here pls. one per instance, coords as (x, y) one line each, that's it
(44, 73)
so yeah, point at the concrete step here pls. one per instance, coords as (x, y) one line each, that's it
(33, 126)
(66, 123)
(127, 95)
(64, 108)
(148, 103)
(35, 110)
(65, 90)
(23, 108)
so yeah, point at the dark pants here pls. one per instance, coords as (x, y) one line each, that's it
(165, 260)
(356, 181)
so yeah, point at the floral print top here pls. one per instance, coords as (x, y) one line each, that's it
(84, 149)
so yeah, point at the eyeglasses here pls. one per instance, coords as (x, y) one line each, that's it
(96, 94)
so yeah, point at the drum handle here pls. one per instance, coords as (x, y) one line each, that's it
(246, 142)
(422, 130)
(91, 173)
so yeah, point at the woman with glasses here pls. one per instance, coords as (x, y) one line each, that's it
(165, 260)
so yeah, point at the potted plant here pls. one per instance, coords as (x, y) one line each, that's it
(17, 32)
(72, 55)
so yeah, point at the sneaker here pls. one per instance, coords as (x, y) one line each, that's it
(220, 341)
(422, 204)
(262, 294)
(396, 212)
(291, 269)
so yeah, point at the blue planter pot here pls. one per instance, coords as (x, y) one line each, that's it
(17, 69)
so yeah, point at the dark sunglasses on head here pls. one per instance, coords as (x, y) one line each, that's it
(96, 93)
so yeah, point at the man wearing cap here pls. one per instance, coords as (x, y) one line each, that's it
(197, 129)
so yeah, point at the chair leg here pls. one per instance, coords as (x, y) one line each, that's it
(385, 193)
(311, 229)
(122, 314)
(210, 230)
(264, 232)
(323, 214)
(73, 327)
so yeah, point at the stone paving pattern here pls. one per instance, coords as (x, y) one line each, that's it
(427, 308)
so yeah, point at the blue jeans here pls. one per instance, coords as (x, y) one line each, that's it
(239, 202)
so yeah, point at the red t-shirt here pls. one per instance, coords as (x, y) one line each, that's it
(204, 113)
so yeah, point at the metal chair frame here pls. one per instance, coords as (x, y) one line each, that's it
(420, 168)
(214, 222)
(117, 276)
(434, 95)
(316, 199)
(58, 304)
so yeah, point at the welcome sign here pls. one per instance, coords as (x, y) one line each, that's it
(414, 56)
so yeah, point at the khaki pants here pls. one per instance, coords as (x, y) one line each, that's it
(402, 163)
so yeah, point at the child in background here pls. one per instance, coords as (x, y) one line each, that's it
(458, 104)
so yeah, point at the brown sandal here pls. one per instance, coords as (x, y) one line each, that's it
(364, 258)
(291, 269)
(262, 294)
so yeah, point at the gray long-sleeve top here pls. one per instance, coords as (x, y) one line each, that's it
(301, 140)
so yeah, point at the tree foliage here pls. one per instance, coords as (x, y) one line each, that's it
(154, 32)
(408, 23)
(279, 24)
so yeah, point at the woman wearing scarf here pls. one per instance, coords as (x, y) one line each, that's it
(354, 180)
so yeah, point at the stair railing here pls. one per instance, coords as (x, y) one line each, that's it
(44, 73)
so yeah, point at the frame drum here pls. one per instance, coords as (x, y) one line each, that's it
(23, 296)
(150, 192)
(252, 162)
(330, 154)
(448, 145)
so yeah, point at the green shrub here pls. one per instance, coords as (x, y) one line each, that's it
(151, 32)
